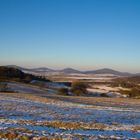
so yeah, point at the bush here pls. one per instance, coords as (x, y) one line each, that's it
(134, 92)
(123, 84)
(104, 95)
(63, 91)
(3, 87)
(79, 88)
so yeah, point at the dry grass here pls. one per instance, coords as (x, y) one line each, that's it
(65, 125)
(136, 128)
(17, 136)
(93, 101)
(20, 133)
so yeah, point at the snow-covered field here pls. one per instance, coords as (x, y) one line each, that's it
(98, 90)
(39, 117)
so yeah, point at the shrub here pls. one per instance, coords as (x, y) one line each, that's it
(124, 84)
(63, 91)
(134, 92)
(3, 87)
(79, 88)
(104, 95)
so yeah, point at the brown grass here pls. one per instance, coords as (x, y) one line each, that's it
(136, 128)
(15, 135)
(65, 124)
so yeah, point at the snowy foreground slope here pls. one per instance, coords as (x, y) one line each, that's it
(40, 116)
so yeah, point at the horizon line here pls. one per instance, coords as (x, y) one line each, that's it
(81, 70)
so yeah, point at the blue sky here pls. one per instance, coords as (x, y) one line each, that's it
(83, 34)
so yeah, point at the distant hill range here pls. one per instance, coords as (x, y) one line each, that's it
(69, 70)
(108, 71)
(44, 70)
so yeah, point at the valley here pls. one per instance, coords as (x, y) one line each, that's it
(68, 106)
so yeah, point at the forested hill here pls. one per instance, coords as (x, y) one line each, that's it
(14, 74)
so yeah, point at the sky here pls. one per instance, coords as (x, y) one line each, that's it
(82, 34)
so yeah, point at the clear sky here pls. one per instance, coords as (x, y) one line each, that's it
(83, 34)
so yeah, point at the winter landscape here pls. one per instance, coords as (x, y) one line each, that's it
(69, 69)
(32, 107)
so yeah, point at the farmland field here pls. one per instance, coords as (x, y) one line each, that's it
(45, 116)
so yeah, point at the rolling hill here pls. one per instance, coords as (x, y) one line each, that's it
(108, 71)
(44, 70)
(69, 70)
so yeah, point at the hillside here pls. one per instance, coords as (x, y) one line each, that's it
(14, 74)
(131, 79)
